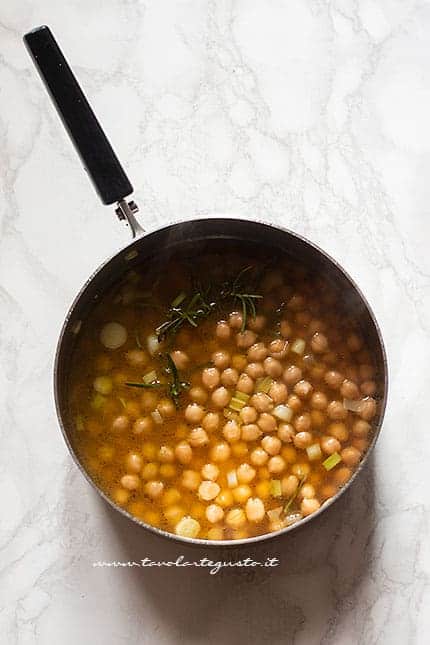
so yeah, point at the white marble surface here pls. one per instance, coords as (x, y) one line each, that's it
(308, 113)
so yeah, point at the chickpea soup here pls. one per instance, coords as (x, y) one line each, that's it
(222, 395)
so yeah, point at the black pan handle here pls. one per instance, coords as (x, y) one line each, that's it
(97, 155)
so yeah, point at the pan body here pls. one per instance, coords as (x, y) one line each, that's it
(197, 234)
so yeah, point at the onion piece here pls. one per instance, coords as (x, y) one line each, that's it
(275, 487)
(113, 335)
(354, 405)
(283, 412)
(157, 417)
(274, 514)
(232, 479)
(152, 344)
(298, 347)
(314, 452)
(150, 377)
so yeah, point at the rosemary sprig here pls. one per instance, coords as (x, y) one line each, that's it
(176, 386)
(294, 495)
(145, 385)
(185, 310)
(238, 292)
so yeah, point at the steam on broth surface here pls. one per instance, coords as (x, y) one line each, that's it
(222, 395)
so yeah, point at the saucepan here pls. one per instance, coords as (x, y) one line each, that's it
(114, 187)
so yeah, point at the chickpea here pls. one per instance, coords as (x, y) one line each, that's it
(241, 493)
(214, 514)
(235, 518)
(245, 339)
(327, 491)
(208, 490)
(258, 323)
(167, 470)
(360, 443)
(368, 388)
(221, 359)
(276, 464)
(261, 402)
(309, 506)
(302, 440)
(229, 377)
(266, 422)
(286, 432)
(245, 384)
(367, 409)
(257, 352)
(248, 414)
(289, 453)
(121, 496)
(183, 452)
(333, 379)
(285, 329)
(319, 401)
(210, 377)
(263, 489)
(294, 402)
(255, 510)
(235, 320)
(292, 375)
(154, 489)
(300, 470)
(148, 401)
(350, 456)
(272, 367)
(289, 485)
(255, 370)
(149, 450)
(210, 421)
(307, 491)
(303, 389)
(166, 455)
(220, 451)
(137, 357)
(180, 359)
(271, 445)
(250, 432)
(225, 498)
(231, 431)
(120, 423)
(336, 411)
(259, 457)
(239, 449)
(329, 445)
(170, 497)
(239, 362)
(278, 392)
(361, 428)
(198, 437)
(278, 348)
(194, 413)
(303, 422)
(220, 397)
(198, 394)
(210, 472)
(339, 431)
(303, 318)
(349, 390)
(319, 343)
(190, 479)
(134, 463)
(223, 330)
(315, 325)
(166, 408)
(342, 475)
(245, 473)
(354, 343)
(366, 371)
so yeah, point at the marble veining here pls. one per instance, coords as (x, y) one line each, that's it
(312, 114)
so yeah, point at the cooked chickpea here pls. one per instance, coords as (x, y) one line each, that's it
(143, 425)
(354, 343)
(225, 498)
(148, 401)
(220, 397)
(333, 379)
(166, 455)
(190, 479)
(210, 377)
(239, 362)
(309, 506)
(121, 496)
(229, 377)
(120, 423)
(168, 471)
(239, 449)
(134, 463)
(319, 343)
(302, 440)
(319, 401)
(303, 422)
(276, 464)
(294, 402)
(339, 431)
(278, 348)
(289, 485)
(248, 414)
(327, 491)
(285, 329)
(368, 388)
(254, 509)
(245, 384)
(137, 357)
(258, 323)
(266, 422)
(349, 390)
(223, 330)
(261, 402)
(303, 389)
(149, 450)
(198, 437)
(350, 456)
(220, 451)
(336, 410)
(154, 489)
(231, 431)
(235, 320)
(250, 432)
(245, 339)
(292, 375)
(300, 470)
(214, 513)
(366, 371)
(181, 359)
(278, 392)
(272, 367)
(194, 413)
(235, 518)
(272, 445)
(329, 445)
(183, 452)
(255, 370)
(166, 408)
(361, 428)
(245, 473)
(241, 493)
(286, 432)
(367, 409)
(198, 394)
(257, 353)
(210, 472)
(221, 359)
(342, 475)
(208, 490)
(211, 421)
